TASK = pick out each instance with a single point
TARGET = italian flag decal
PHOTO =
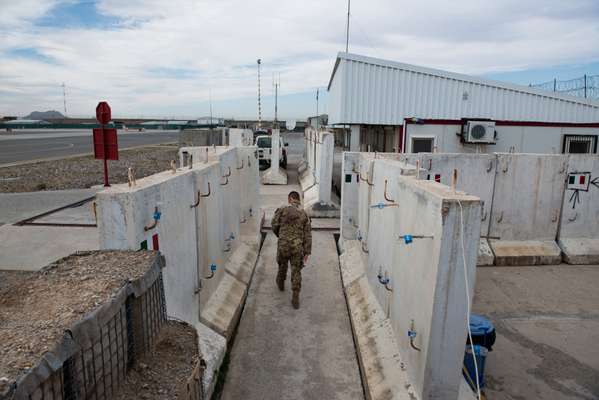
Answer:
(151, 243)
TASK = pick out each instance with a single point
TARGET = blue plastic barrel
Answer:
(483, 331)
(469, 370)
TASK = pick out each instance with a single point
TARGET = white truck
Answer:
(264, 144)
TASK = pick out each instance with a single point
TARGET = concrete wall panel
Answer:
(579, 225)
(426, 291)
(475, 172)
(350, 186)
(528, 196)
(580, 217)
(209, 215)
(123, 213)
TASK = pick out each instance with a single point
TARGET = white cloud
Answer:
(168, 55)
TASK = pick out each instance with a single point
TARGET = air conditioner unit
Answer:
(480, 132)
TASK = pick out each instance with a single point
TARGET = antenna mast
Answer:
(277, 84)
(210, 101)
(347, 33)
(64, 98)
(259, 99)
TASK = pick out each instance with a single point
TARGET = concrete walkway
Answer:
(282, 353)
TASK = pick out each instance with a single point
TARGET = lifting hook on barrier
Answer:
(366, 179)
(212, 271)
(572, 219)
(384, 280)
(200, 195)
(156, 217)
(412, 335)
(131, 176)
(430, 164)
(242, 161)
(505, 167)
(390, 200)
(249, 162)
(555, 216)
(228, 173)
(364, 248)
(454, 180)
(500, 218)
(226, 180)
(490, 166)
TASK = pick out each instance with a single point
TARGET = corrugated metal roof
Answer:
(365, 90)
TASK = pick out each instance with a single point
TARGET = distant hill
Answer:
(45, 115)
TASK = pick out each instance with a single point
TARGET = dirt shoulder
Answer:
(85, 171)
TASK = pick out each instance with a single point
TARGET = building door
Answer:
(422, 144)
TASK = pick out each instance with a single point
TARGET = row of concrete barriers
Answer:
(536, 208)
(204, 218)
(409, 280)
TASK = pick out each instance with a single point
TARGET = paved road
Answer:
(33, 145)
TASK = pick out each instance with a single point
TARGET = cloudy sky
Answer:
(166, 58)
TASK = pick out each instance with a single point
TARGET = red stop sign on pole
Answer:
(105, 139)
(103, 113)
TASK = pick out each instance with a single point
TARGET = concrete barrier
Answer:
(350, 185)
(275, 175)
(476, 175)
(418, 287)
(526, 209)
(240, 137)
(155, 214)
(202, 219)
(316, 179)
(579, 225)
(355, 195)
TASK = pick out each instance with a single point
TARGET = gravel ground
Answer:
(160, 374)
(85, 171)
(36, 308)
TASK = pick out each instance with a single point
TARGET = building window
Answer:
(580, 144)
(422, 144)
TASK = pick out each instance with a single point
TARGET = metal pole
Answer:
(347, 33)
(555, 84)
(317, 118)
(276, 102)
(585, 86)
(259, 100)
(316, 136)
(64, 98)
(106, 184)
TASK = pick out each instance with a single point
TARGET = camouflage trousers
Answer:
(296, 261)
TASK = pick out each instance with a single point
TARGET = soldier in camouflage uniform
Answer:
(292, 226)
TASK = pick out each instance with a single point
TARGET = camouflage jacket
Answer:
(292, 226)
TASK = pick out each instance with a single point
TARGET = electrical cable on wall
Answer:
(468, 300)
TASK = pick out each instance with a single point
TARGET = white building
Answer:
(391, 106)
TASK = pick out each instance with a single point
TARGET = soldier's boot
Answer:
(295, 302)
(281, 283)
